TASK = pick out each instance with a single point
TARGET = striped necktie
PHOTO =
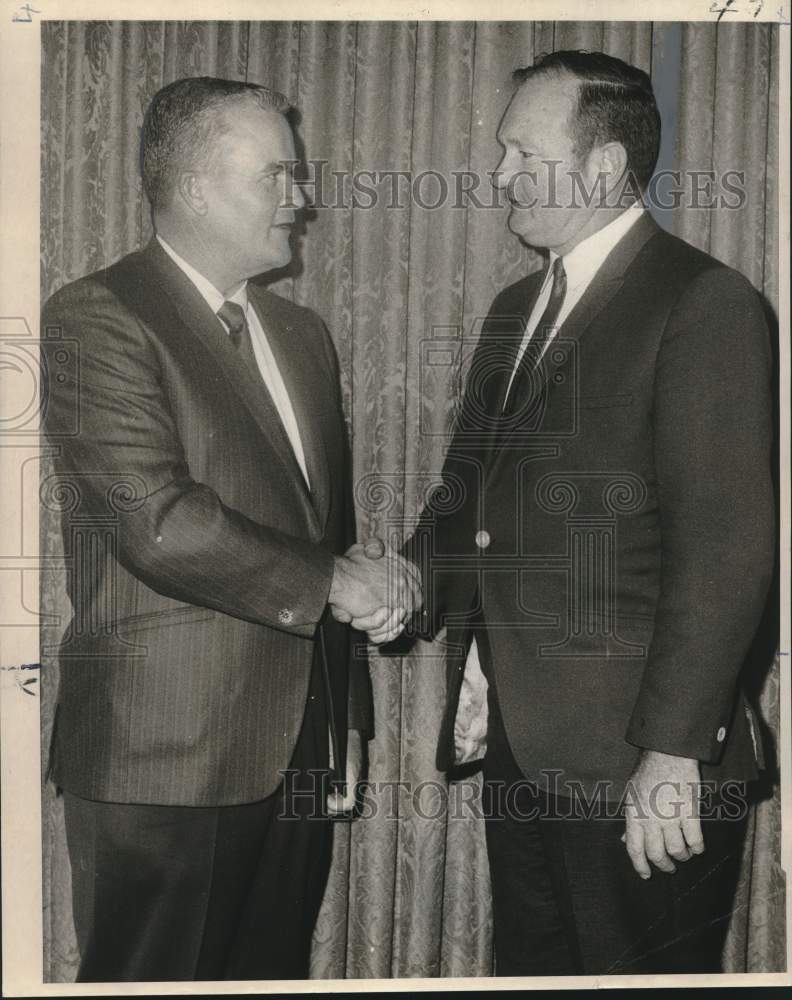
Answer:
(233, 315)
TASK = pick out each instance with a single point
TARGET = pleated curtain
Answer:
(402, 279)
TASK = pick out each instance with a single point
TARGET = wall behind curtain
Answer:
(409, 891)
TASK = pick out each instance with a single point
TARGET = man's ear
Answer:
(191, 190)
(613, 164)
(606, 169)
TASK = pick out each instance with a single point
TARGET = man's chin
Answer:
(276, 261)
(521, 227)
(280, 251)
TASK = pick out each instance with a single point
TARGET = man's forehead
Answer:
(259, 128)
(542, 99)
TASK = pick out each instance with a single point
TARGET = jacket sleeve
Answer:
(174, 533)
(712, 443)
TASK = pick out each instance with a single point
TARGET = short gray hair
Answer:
(183, 124)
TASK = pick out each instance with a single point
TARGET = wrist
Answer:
(653, 765)
(339, 582)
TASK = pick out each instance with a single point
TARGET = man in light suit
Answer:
(206, 693)
(608, 562)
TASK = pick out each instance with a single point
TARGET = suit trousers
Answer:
(566, 899)
(185, 893)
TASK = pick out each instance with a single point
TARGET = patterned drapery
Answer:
(402, 278)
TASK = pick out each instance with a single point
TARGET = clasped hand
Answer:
(375, 590)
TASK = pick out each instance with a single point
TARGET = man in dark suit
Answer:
(608, 560)
(206, 693)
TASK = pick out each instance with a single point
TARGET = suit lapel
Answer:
(199, 320)
(607, 282)
(501, 336)
(306, 384)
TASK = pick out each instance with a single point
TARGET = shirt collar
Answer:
(213, 298)
(584, 260)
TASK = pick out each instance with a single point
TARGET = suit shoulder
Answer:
(72, 295)
(87, 292)
(677, 265)
(711, 308)
(90, 312)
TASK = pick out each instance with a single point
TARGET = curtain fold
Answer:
(403, 272)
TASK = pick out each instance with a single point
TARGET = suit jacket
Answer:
(615, 537)
(200, 562)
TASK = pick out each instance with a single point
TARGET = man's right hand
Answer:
(374, 591)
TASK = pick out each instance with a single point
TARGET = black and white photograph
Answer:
(396, 499)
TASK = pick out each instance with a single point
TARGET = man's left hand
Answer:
(337, 804)
(663, 824)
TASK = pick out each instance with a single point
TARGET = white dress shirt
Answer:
(268, 367)
(581, 265)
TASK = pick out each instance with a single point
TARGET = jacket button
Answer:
(483, 539)
(721, 735)
(285, 616)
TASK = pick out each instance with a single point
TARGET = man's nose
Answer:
(502, 174)
(293, 196)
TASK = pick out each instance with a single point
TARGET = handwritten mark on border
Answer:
(27, 685)
(24, 14)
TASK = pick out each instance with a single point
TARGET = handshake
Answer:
(375, 591)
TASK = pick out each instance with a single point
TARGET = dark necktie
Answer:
(233, 316)
(521, 385)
